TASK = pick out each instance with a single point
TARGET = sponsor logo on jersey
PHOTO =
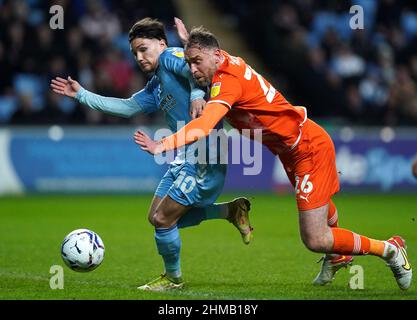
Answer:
(215, 89)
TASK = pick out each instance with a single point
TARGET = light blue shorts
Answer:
(196, 185)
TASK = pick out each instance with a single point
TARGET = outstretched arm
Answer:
(65, 87)
(115, 106)
(191, 132)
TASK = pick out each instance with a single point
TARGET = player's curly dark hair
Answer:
(200, 36)
(148, 28)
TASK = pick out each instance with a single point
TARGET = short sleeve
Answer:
(172, 60)
(226, 89)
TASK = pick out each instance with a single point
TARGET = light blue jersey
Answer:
(170, 90)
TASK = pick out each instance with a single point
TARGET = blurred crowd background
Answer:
(349, 76)
(366, 76)
(92, 48)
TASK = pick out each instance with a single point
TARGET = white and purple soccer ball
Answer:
(82, 250)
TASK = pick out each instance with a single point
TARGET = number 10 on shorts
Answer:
(185, 183)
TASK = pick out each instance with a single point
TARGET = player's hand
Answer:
(65, 87)
(181, 30)
(146, 143)
(197, 107)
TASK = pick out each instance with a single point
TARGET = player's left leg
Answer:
(205, 183)
(196, 215)
(319, 237)
(235, 211)
(331, 263)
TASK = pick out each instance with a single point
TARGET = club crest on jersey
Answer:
(179, 54)
(215, 89)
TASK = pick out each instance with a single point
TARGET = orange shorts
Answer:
(311, 167)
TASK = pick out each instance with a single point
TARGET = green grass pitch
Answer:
(215, 262)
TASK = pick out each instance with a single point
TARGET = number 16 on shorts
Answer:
(305, 187)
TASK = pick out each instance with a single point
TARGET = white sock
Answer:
(390, 251)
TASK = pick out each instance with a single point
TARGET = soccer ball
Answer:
(82, 250)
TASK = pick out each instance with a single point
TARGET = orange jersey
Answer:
(255, 104)
(248, 101)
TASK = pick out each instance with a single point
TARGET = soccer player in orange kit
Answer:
(248, 101)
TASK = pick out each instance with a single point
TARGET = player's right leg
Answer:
(318, 237)
(152, 209)
(164, 217)
(315, 169)
(393, 251)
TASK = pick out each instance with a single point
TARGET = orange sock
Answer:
(376, 247)
(346, 242)
(332, 217)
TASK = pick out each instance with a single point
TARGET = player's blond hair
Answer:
(202, 37)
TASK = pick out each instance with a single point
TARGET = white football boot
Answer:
(399, 264)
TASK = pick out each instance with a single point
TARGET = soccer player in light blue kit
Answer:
(187, 191)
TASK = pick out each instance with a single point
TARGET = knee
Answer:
(151, 214)
(315, 243)
(157, 218)
(160, 220)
